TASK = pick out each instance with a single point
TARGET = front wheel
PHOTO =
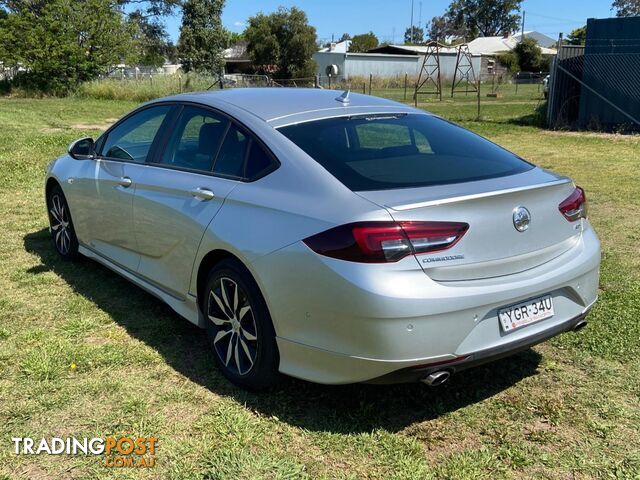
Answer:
(239, 327)
(61, 226)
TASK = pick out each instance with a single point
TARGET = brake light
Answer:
(574, 207)
(379, 242)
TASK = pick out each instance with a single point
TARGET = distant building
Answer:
(491, 46)
(337, 47)
(236, 59)
(386, 61)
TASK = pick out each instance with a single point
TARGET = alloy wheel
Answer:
(60, 224)
(235, 341)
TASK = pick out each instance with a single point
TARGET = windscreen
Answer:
(383, 152)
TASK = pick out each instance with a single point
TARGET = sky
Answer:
(388, 19)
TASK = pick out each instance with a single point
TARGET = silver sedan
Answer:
(332, 237)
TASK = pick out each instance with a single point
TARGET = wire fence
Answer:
(498, 97)
(596, 91)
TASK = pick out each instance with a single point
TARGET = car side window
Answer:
(257, 161)
(131, 140)
(230, 160)
(195, 139)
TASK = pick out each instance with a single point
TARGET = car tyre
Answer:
(61, 227)
(239, 327)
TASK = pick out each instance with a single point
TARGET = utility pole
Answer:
(411, 39)
(523, 14)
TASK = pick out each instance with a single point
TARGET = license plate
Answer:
(526, 313)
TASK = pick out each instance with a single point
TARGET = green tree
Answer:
(437, 29)
(529, 56)
(202, 37)
(484, 18)
(151, 40)
(413, 36)
(282, 43)
(363, 42)
(234, 37)
(626, 8)
(61, 43)
(578, 36)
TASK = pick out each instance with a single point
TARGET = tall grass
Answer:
(144, 89)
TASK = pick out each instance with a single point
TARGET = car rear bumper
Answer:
(339, 322)
(487, 355)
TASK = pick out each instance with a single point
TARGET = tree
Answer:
(344, 37)
(150, 39)
(485, 18)
(61, 43)
(150, 8)
(437, 29)
(282, 43)
(202, 37)
(363, 42)
(416, 39)
(529, 56)
(578, 36)
(626, 8)
(234, 37)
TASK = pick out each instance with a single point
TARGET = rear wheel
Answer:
(62, 232)
(239, 327)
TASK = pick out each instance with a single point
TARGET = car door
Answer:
(180, 191)
(120, 151)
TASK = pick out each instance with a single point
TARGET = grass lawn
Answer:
(569, 408)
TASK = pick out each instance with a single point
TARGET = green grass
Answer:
(569, 408)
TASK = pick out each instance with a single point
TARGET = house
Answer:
(236, 59)
(337, 47)
(492, 46)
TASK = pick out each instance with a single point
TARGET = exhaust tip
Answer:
(580, 325)
(436, 378)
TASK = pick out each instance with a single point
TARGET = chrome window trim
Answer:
(175, 103)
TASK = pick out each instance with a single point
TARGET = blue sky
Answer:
(389, 18)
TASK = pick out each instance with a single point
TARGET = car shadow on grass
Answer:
(337, 409)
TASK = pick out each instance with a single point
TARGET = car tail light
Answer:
(378, 242)
(574, 207)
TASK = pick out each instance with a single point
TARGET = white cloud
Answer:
(239, 24)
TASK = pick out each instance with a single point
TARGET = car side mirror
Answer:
(82, 149)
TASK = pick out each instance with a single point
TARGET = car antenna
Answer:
(344, 98)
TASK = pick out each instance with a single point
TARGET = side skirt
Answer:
(186, 307)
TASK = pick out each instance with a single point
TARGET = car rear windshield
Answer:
(383, 152)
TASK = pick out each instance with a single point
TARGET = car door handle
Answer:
(125, 182)
(202, 193)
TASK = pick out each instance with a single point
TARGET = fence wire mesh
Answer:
(598, 91)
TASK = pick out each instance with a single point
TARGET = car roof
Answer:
(280, 106)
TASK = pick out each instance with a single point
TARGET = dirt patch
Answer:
(91, 126)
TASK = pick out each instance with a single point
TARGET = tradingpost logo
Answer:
(119, 452)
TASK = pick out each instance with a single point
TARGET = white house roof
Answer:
(492, 45)
(496, 45)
